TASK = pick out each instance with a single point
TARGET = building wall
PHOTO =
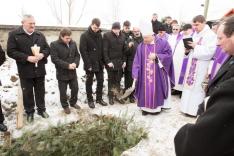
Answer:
(51, 33)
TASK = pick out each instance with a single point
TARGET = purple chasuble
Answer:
(152, 81)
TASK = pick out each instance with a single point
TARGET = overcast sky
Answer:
(110, 10)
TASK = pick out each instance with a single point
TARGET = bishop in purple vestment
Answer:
(154, 74)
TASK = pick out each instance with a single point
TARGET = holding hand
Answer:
(130, 44)
(186, 51)
(134, 84)
(111, 65)
(192, 44)
(72, 66)
(32, 59)
(39, 56)
(124, 65)
(152, 56)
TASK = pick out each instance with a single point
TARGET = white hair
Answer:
(27, 16)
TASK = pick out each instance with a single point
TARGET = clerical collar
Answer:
(152, 42)
(28, 32)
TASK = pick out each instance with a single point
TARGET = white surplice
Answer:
(193, 95)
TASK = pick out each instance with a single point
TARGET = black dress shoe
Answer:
(3, 128)
(101, 102)
(30, 118)
(67, 110)
(132, 100)
(91, 104)
(120, 101)
(76, 106)
(144, 113)
(111, 101)
(175, 92)
(44, 114)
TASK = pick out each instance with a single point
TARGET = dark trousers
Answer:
(89, 84)
(114, 78)
(73, 85)
(128, 80)
(1, 114)
(33, 88)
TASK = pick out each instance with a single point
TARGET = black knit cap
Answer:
(162, 28)
(116, 25)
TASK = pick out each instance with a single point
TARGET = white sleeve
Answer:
(210, 67)
(206, 50)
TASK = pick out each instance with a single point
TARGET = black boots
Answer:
(111, 101)
(101, 102)
(3, 128)
(91, 104)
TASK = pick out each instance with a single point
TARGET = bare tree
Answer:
(82, 12)
(67, 12)
(69, 4)
(22, 12)
(56, 11)
(116, 7)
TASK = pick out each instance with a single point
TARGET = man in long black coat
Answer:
(65, 56)
(212, 134)
(115, 59)
(130, 51)
(91, 49)
(31, 68)
(155, 23)
(3, 127)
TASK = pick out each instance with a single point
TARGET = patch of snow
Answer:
(162, 127)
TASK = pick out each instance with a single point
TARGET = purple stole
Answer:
(184, 67)
(219, 58)
(183, 70)
(148, 77)
(192, 70)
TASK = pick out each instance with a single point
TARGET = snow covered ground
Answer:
(162, 127)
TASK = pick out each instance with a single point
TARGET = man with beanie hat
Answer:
(116, 25)
(115, 59)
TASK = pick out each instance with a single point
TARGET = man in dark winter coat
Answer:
(167, 24)
(155, 23)
(3, 128)
(31, 67)
(212, 134)
(130, 50)
(127, 30)
(65, 56)
(115, 59)
(91, 49)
